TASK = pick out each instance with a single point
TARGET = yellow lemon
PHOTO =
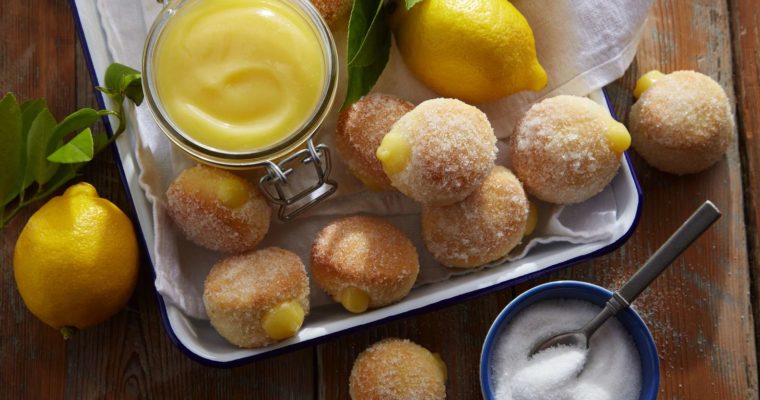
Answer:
(76, 260)
(474, 50)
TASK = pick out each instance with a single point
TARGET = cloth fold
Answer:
(582, 44)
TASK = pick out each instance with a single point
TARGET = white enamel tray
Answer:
(199, 341)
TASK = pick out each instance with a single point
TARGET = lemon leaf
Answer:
(74, 122)
(367, 34)
(123, 81)
(29, 112)
(33, 146)
(38, 168)
(79, 149)
(12, 150)
(410, 3)
(369, 44)
(100, 141)
(65, 173)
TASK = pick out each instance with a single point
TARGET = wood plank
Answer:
(699, 310)
(745, 24)
(131, 355)
(36, 60)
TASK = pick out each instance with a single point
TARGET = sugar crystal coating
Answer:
(395, 369)
(683, 123)
(453, 149)
(240, 290)
(360, 129)
(218, 221)
(332, 10)
(483, 227)
(560, 150)
(364, 253)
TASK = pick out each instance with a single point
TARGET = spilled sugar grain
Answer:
(609, 370)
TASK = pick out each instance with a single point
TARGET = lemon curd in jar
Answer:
(239, 75)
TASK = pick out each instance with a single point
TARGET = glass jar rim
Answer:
(255, 158)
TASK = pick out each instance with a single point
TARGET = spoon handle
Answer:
(705, 216)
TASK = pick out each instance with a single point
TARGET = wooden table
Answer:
(702, 311)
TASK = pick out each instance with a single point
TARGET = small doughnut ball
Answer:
(566, 149)
(482, 228)
(364, 262)
(440, 152)
(257, 298)
(218, 210)
(395, 369)
(332, 10)
(682, 123)
(361, 127)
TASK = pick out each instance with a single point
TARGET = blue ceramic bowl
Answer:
(650, 364)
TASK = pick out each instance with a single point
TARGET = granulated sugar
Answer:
(609, 370)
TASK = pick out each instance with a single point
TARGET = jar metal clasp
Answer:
(275, 185)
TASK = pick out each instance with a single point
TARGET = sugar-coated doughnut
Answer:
(682, 123)
(218, 210)
(439, 152)
(364, 262)
(257, 298)
(395, 369)
(566, 149)
(332, 10)
(360, 129)
(482, 228)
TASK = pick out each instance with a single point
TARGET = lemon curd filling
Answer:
(394, 152)
(354, 299)
(618, 137)
(283, 321)
(646, 81)
(239, 75)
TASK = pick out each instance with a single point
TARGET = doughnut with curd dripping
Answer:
(682, 122)
(364, 262)
(396, 369)
(360, 129)
(257, 298)
(566, 149)
(439, 152)
(218, 210)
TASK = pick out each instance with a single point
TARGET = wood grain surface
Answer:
(702, 311)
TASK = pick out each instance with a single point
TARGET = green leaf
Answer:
(77, 150)
(115, 74)
(100, 141)
(11, 149)
(124, 80)
(411, 3)
(29, 111)
(105, 90)
(364, 33)
(65, 173)
(38, 168)
(74, 122)
(369, 43)
(133, 88)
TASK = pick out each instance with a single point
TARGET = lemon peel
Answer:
(474, 51)
(76, 261)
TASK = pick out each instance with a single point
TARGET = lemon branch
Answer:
(41, 155)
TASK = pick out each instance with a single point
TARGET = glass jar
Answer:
(294, 149)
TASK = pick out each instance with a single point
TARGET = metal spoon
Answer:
(683, 238)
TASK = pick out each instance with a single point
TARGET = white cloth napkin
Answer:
(582, 44)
